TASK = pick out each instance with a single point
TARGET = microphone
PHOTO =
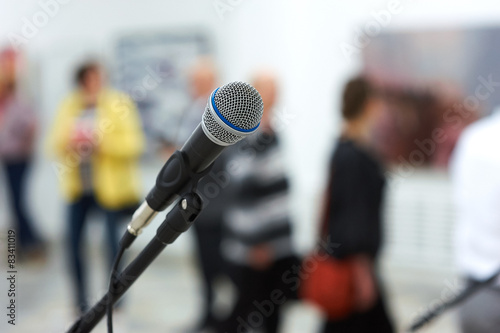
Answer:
(233, 112)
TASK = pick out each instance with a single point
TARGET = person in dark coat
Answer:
(355, 202)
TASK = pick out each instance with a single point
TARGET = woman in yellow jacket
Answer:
(97, 139)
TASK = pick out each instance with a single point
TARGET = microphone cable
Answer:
(125, 242)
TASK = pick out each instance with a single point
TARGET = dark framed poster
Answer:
(153, 69)
(436, 82)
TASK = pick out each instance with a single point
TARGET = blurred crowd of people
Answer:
(245, 232)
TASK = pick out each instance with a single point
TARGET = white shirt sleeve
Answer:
(475, 171)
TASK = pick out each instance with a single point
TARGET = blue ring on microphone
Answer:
(227, 121)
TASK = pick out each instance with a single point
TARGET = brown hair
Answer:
(356, 92)
(83, 69)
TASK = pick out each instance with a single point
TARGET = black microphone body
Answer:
(197, 154)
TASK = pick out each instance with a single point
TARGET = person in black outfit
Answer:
(355, 201)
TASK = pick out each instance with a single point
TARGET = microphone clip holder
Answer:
(175, 178)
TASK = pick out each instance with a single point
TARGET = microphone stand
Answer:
(177, 221)
(175, 179)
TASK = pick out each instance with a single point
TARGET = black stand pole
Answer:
(465, 294)
(177, 221)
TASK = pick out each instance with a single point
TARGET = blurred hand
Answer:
(261, 257)
(2, 117)
(166, 151)
(3, 111)
(82, 143)
(366, 293)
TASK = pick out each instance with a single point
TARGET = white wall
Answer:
(300, 39)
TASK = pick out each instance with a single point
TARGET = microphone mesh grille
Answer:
(217, 130)
(241, 105)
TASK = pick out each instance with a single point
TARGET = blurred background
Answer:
(427, 57)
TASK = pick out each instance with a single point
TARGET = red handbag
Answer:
(326, 282)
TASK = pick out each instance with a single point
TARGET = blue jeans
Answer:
(77, 218)
(16, 175)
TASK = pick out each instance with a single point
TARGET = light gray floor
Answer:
(166, 298)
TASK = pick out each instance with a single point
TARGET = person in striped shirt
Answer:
(257, 241)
